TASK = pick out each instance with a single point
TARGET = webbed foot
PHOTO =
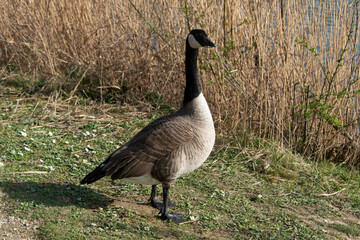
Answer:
(159, 204)
(175, 217)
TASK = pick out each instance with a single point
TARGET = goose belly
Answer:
(146, 179)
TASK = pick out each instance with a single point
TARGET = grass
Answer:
(261, 191)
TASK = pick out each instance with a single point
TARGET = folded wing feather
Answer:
(155, 150)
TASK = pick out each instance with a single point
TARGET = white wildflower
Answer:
(259, 196)
(87, 133)
(21, 154)
(51, 168)
(24, 134)
(32, 139)
(27, 149)
(1, 164)
(93, 224)
(86, 162)
(146, 228)
(66, 142)
(50, 134)
(76, 155)
(91, 117)
(53, 141)
(192, 218)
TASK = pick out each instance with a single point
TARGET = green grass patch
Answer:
(261, 192)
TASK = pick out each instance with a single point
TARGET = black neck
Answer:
(192, 89)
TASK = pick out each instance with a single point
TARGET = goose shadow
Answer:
(54, 194)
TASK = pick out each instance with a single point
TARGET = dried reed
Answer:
(285, 70)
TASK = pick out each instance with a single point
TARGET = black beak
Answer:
(209, 43)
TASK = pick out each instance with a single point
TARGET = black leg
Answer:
(153, 195)
(153, 198)
(175, 217)
(156, 203)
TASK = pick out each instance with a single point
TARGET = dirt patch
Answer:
(140, 208)
(12, 228)
(307, 215)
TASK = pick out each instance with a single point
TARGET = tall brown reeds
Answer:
(285, 70)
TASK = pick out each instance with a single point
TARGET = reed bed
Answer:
(284, 70)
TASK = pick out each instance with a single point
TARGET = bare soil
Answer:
(12, 228)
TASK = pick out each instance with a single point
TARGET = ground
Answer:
(13, 228)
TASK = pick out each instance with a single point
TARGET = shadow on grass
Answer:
(53, 194)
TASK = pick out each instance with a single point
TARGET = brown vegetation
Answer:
(287, 70)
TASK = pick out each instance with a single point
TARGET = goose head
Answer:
(198, 38)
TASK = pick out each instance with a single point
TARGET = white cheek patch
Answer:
(192, 42)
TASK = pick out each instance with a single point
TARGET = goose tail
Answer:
(94, 175)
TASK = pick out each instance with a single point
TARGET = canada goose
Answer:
(172, 145)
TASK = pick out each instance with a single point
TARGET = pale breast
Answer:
(198, 150)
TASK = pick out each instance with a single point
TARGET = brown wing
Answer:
(156, 145)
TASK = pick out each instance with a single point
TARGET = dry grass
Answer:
(287, 70)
